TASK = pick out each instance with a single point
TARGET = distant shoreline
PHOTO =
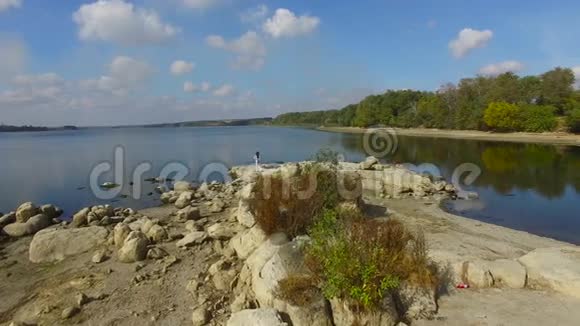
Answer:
(518, 137)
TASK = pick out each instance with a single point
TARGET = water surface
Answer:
(530, 187)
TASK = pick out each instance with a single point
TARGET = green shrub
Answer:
(503, 116)
(538, 118)
(326, 155)
(291, 205)
(573, 120)
(361, 260)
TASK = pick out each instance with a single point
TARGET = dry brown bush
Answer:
(298, 289)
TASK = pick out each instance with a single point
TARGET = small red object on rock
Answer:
(462, 286)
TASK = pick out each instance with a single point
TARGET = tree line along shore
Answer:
(503, 103)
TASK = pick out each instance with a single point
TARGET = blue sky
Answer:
(104, 62)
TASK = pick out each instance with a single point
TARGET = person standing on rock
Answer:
(257, 161)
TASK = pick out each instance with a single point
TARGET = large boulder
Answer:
(416, 302)
(554, 268)
(81, 217)
(181, 186)
(135, 248)
(244, 216)
(31, 226)
(184, 199)
(51, 211)
(286, 259)
(103, 211)
(256, 317)
(508, 273)
(26, 211)
(344, 314)
(476, 274)
(369, 162)
(188, 213)
(222, 231)
(120, 233)
(217, 205)
(53, 245)
(246, 242)
(157, 233)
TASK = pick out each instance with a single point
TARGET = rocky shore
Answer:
(201, 259)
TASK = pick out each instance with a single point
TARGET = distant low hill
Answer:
(8, 128)
(203, 123)
(213, 123)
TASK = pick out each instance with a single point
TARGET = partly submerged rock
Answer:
(181, 186)
(7, 219)
(53, 245)
(31, 226)
(26, 211)
(51, 211)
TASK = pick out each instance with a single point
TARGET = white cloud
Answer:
(224, 90)
(8, 4)
(249, 49)
(13, 55)
(50, 78)
(120, 22)
(285, 23)
(254, 15)
(189, 87)
(200, 4)
(499, 68)
(125, 74)
(180, 67)
(469, 39)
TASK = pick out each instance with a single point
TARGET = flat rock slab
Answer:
(554, 268)
(54, 245)
(256, 317)
(495, 307)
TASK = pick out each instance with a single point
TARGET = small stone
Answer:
(156, 253)
(69, 312)
(200, 316)
(82, 299)
(99, 257)
(192, 239)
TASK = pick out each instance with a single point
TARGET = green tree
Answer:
(503, 116)
(538, 118)
(505, 88)
(530, 89)
(573, 120)
(557, 86)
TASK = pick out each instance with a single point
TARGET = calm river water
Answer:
(535, 188)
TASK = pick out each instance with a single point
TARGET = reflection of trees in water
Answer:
(505, 167)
